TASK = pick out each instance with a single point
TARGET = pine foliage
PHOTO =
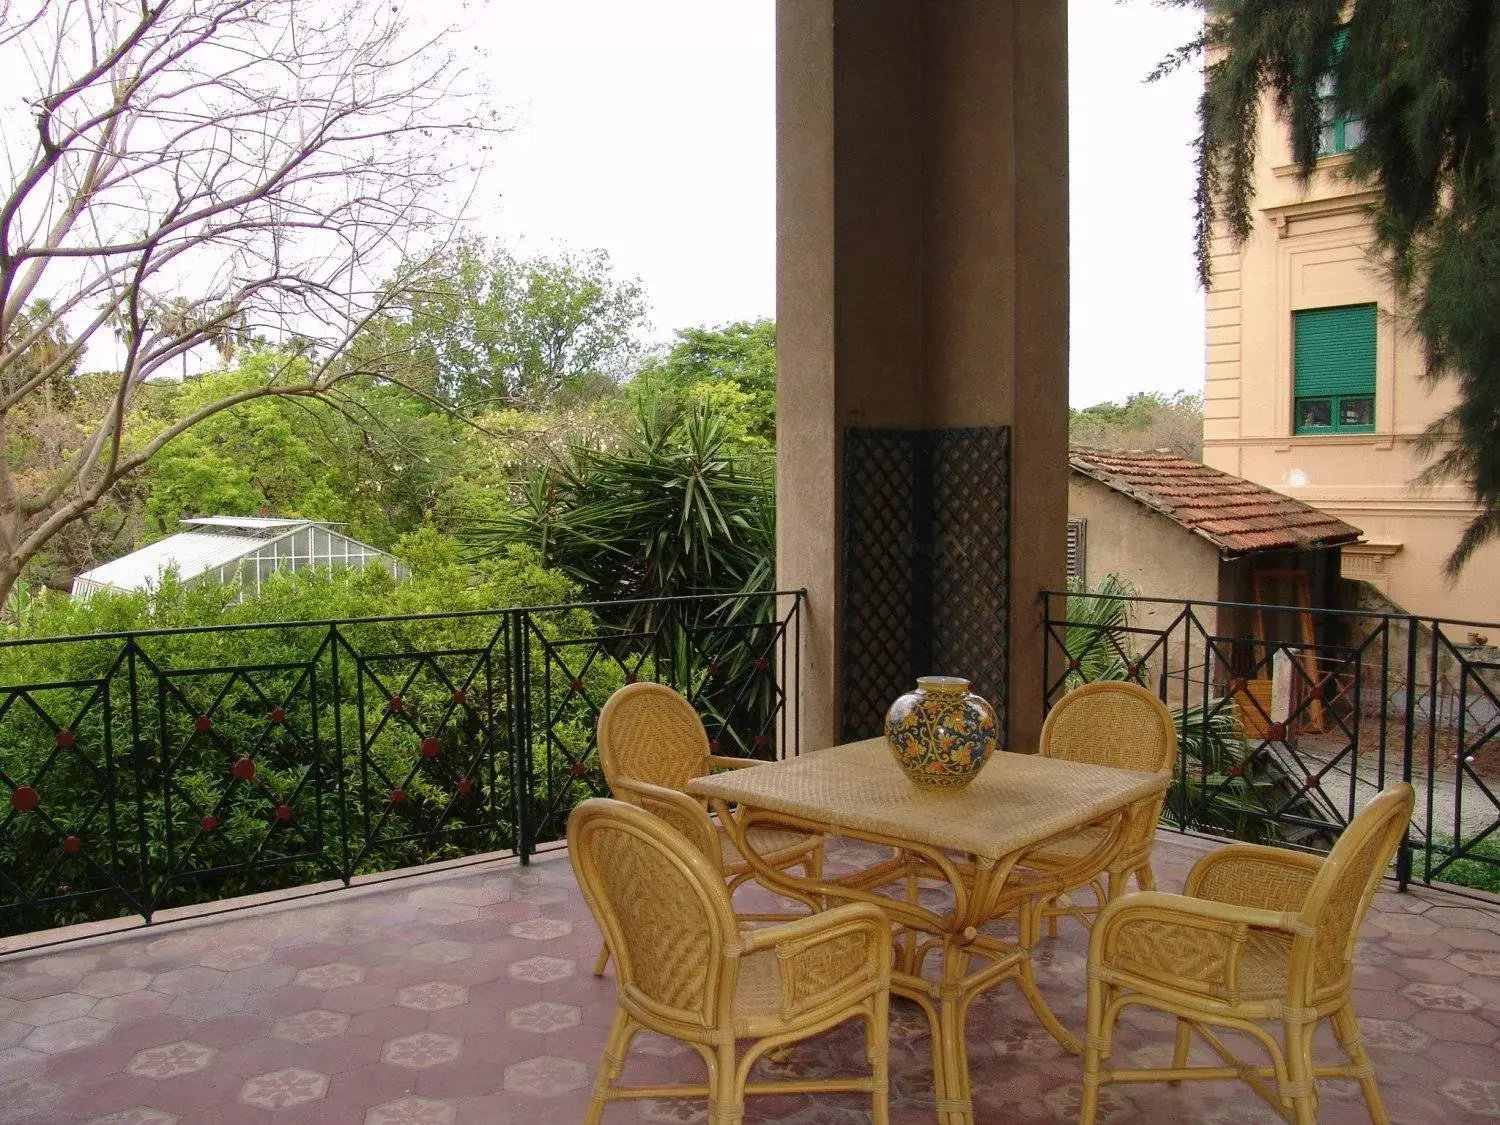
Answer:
(1424, 78)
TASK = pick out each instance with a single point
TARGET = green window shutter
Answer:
(1335, 351)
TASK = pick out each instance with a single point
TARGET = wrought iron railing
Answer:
(146, 770)
(1291, 719)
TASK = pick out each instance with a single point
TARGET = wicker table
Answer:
(974, 841)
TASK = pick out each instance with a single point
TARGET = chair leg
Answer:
(878, 1048)
(726, 1101)
(1346, 1027)
(602, 961)
(1145, 877)
(610, 1066)
(1095, 1041)
(814, 864)
(1180, 1048)
(1300, 1091)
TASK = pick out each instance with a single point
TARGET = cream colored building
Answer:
(1314, 390)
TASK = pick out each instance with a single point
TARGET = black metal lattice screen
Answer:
(926, 566)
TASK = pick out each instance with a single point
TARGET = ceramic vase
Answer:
(941, 734)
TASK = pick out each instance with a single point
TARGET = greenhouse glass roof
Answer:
(226, 548)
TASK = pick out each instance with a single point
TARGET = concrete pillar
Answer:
(922, 238)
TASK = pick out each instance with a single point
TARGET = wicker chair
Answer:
(1108, 724)
(686, 970)
(651, 744)
(1260, 935)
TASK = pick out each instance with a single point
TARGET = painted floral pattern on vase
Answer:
(941, 734)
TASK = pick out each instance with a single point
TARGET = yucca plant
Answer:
(674, 509)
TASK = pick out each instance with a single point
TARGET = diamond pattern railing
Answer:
(1283, 741)
(181, 769)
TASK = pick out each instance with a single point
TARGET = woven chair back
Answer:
(650, 733)
(1112, 724)
(1341, 893)
(662, 907)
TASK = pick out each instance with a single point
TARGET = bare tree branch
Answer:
(194, 170)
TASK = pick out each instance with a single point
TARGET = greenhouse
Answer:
(228, 549)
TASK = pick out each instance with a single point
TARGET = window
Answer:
(1340, 133)
(1076, 527)
(1334, 354)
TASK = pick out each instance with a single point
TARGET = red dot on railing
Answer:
(72, 845)
(630, 677)
(203, 724)
(24, 798)
(278, 716)
(714, 747)
(284, 813)
(396, 704)
(1276, 732)
(431, 747)
(1237, 685)
(398, 796)
(460, 697)
(208, 823)
(575, 685)
(579, 769)
(1310, 783)
(760, 664)
(762, 741)
(1236, 771)
(65, 738)
(713, 669)
(1074, 666)
(243, 769)
(465, 787)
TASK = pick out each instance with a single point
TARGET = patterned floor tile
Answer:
(546, 1076)
(541, 929)
(310, 1026)
(542, 970)
(543, 1017)
(282, 1089)
(461, 1000)
(141, 1115)
(432, 996)
(426, 1048)
(334, 974)
(171, 1060)
(412, 1111)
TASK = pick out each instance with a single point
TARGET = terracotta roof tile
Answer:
(1235, 514)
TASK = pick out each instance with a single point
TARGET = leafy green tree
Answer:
(1147, 420)
(485, 329)
(742, 354)
(1420, 76)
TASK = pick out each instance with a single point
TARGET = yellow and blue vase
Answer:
(941, 734)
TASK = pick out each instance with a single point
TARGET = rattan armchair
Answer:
(651, 744)
(1259, 936)
(1110, 723)
(686, 970)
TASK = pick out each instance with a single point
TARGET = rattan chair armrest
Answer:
(1254, 875)
(682, 812)
(1187, 944)
(1198, 912)
(841, 954)
(720, 762)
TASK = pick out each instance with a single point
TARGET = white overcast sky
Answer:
(647, 128)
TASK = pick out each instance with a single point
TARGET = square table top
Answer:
(1017, 800)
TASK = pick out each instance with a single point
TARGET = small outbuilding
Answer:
(229, 549)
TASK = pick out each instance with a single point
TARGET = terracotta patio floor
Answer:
(467, 997)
